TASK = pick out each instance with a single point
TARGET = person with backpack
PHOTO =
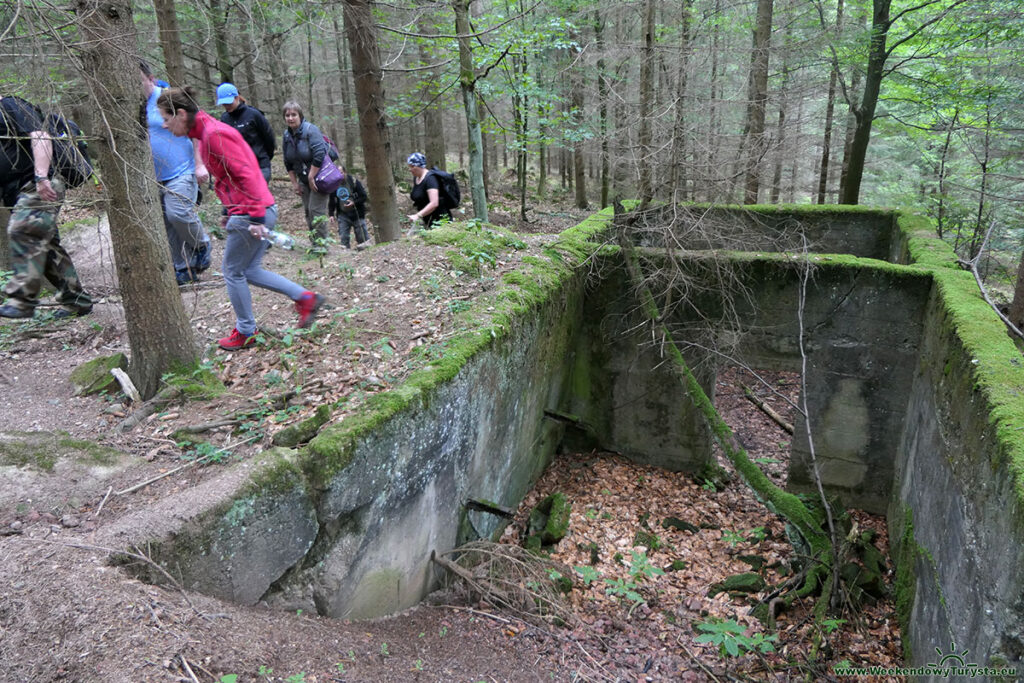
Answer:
(347, 206)
(179, 172)
(426, 194)
(29, 183)
(249, 213)
(304, 149)
(250, 122)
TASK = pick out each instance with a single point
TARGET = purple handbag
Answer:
(329, 177)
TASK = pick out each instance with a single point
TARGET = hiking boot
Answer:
(12, 311)
(72, 312)
(361, 246)
(185, 276)
(201, 258)
(307, 306)
(236, 340)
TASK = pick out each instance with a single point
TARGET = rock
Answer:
(69, 521)
(676, 523)
(550, 519)
(94, 376)
(739, 583)
(302, 432)
(16, 525)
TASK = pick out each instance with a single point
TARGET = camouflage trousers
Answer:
(36, 253)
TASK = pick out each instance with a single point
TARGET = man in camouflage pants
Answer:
(26, 151)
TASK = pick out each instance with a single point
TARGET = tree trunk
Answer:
(373, 125)
(677, 173)
(1016, 312)
(275, 46)
(345, 105)
(864, 114)
(159, 332)
(433, 122)
(219, 19)
(602, 96)
(757, 97)
(170, 41)
(646, 187)
(576, 94)
(830, 106)
(467, 79)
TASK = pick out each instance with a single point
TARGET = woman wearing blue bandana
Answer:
(426, 193)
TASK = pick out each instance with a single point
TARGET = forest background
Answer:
(897, 103)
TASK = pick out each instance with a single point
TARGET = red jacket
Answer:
(231, 162)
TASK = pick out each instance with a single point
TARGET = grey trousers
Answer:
(243, 255)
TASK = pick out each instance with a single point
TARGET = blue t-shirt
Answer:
(172, 156)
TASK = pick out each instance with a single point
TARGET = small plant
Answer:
(591, 513)
(418, 665)
(833, 625)
(709, 485)
(443, 632)
(458, 306)
(384, 651)
(265, 670)
(625, 589)
(297, 678)
(733, 538)
(641, 567)
(229, 678)
(731, 638)
(588, 574)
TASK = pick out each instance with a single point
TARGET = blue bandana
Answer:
(417, 159)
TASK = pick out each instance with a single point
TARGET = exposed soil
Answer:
(66, 614)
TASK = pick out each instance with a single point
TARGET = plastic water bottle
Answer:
(280, 239)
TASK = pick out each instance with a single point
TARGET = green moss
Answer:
(305, 430)
(93, 377)
(91, 452)
(906, 579)
(197, 381)
(549, 520)
(42, 450)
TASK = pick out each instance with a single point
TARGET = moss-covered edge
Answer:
(332, 450)
(997, 369)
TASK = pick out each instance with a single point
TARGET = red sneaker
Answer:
(307, 306)
(236, 340)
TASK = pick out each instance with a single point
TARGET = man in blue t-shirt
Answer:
(179, 170)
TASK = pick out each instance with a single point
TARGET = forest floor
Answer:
(66, 614)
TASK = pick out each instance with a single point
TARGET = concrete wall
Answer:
(856, 231)
(956, 517)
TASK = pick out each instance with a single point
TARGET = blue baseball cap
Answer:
(226, 93)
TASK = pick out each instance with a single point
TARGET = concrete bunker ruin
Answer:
(915, 401)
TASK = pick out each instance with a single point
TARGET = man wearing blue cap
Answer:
(250, 122)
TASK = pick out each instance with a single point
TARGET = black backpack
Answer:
(449, 187)
(70, 151)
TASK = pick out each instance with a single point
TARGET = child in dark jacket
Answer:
(348, 206)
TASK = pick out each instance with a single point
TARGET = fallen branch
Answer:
(198, 461)
(972, 265)
(165, 395)
(103, 502)
(766, 409)
(207, 426)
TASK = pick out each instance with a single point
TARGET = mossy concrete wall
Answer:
(627, 397)
(346, 525)
(956, 516)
